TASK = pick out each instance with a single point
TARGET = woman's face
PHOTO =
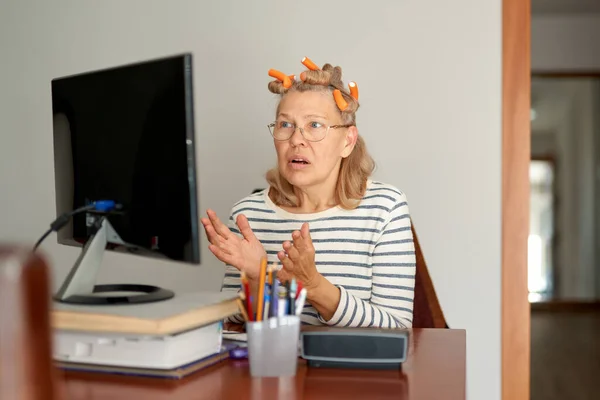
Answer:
(307, 163)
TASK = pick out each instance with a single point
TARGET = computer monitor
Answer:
(126, 134)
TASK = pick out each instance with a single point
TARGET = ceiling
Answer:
(565, 6)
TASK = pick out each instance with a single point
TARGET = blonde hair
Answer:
(355, 169)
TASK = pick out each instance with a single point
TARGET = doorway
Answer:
(541, 240)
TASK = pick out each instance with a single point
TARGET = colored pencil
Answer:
(246, 289)
(261, 289)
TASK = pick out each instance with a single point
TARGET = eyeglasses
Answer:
(312, 131)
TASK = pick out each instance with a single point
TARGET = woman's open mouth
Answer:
(298, 162)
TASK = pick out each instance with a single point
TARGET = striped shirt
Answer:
(368, 253)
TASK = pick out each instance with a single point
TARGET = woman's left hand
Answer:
(298, 259)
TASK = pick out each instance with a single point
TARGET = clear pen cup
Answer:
(273, 346)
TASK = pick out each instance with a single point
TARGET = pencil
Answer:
(248, 298)
(261, 289)
(271, 275)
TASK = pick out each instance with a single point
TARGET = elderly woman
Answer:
(346, 237)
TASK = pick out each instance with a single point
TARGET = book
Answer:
(181, 313)
(175, 373)
(235, 336)
(138, 351)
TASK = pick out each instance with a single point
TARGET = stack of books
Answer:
(170, 338)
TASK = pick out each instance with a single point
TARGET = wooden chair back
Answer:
(26, 368)
(427, 312)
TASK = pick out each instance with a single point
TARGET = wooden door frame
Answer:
(516, 153)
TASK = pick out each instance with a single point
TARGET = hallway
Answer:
(565, 355)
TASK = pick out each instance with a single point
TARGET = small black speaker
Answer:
(354, 347)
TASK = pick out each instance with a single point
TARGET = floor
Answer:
(565, 355)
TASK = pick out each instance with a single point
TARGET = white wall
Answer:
(430, 80)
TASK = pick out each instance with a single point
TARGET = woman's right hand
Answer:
(244, 253)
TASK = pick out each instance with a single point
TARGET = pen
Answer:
(292, 295)
(267, 303)
(261, 290)
(275, 298)
(299, 289)
(282, 300)
(300, 301)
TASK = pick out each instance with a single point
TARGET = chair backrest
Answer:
(26, 368)
(427, 312)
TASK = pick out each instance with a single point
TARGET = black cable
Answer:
(61, 221)
(44, 236)
(101, 206)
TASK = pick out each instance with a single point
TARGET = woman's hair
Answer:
(355, 169)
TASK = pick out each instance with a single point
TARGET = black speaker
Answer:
(354, 347)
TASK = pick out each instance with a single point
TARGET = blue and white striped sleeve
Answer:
(233, 279)
(393, 269)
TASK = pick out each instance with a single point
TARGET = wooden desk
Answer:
(435, 369)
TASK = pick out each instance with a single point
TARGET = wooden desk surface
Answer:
(435, 369)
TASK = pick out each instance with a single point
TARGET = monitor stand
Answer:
(80, 286)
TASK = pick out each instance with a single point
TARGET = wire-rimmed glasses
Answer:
(311, 131)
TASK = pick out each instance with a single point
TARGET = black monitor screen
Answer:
(126, 134)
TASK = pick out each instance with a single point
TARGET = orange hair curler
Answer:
(303, 76)
(292, 77)
(353, 90)
(339, 100)
(281, 77)
(309, 64)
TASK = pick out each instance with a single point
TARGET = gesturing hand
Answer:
(298, 259)
(243, 253)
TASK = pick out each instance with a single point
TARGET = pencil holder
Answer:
(273, 346)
